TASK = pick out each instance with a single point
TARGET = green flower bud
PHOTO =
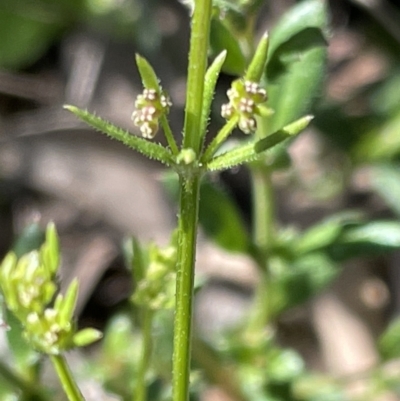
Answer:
(156, 290)
(186, 156)
(86, 337)
(28, 286)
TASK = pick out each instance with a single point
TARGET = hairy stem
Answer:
(196, 73)
(187, 223)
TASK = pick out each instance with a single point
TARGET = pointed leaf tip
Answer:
(259, 60)
(147, 73)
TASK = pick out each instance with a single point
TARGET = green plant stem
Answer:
(263, 238)
(219, 139)
(67, 380)
(169, 135)
(187, 224)
(20, 384)
(196, 72)
(141, 388)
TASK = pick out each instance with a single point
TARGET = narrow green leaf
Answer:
(251, 150)
(271, 140)
(209, 88)
(52, 247)
(372, 238)
(147, 148)
(320, 236)
(296, 62)
(380, 233)
(86, 337)
(67, 305)
(286, 132)
(139, 260)
(147, 73)
(257, 65)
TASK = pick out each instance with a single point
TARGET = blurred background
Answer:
(52, 167)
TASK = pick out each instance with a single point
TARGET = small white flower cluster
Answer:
(150, 106)
(244, 98)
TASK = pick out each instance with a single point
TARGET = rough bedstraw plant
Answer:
(277, 81)
(192, 160)
(48, 325)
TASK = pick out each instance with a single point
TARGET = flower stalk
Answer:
(67, 380)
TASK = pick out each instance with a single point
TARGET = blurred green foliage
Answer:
(302, 263)
(28, 28)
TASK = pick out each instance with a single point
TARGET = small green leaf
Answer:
(250, 151)
(257, 65)
(66, 307)
(325, 233)
(186, 157)
(211, 78)
(222, 39)
(50, 250)
(147, 148)
(288, 131)
(136, 257)
(271, 140)
(86, 337)
(371, 238)
(147, 73)
(221, 219)
(296, 62)
(381, 233)
(389, 342)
